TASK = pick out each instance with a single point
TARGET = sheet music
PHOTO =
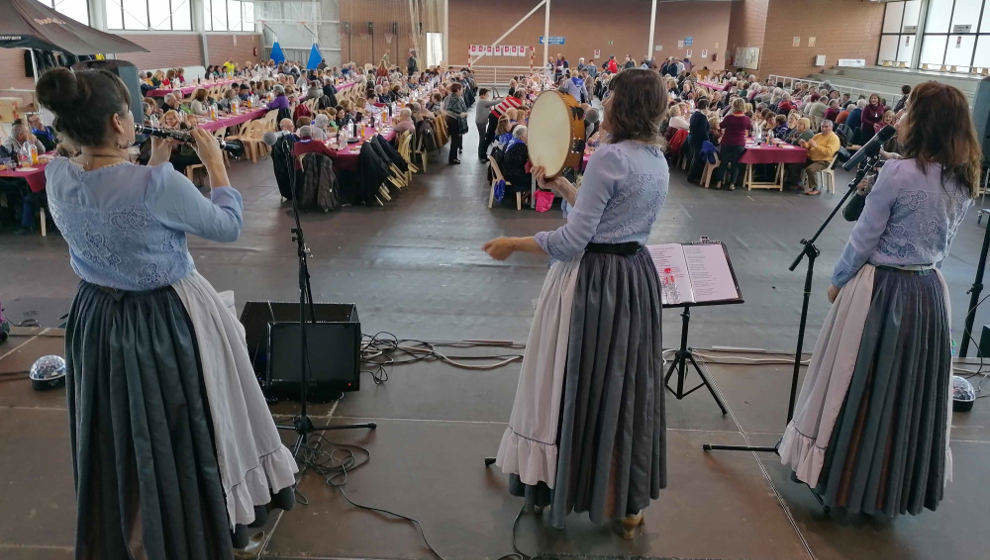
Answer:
(710, 275)
(672, 267)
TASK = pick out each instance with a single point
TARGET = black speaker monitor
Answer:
(128, 73)
(334, 344)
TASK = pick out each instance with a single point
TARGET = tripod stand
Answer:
(683, 355)
(303, 424)
(811, 251)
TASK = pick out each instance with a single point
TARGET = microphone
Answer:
(871, 148)
(235, 149)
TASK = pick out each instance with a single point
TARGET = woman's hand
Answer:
(500, 248)
(161, 150)
(559, 184)
(207, 147)
(833, 293)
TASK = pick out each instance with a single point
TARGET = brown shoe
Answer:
(629, 524)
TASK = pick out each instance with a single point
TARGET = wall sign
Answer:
(811, 41)
(598, 53)
(680, 43)
(554, 40)
(497, 50)
(796, 42)
(704, 53)
(688, 41)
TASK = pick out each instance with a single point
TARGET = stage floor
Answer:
(415, 268)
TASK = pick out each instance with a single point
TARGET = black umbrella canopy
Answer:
(32, 25)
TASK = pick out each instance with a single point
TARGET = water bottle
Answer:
(23, 156)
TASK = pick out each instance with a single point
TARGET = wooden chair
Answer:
(499, 177)
(405, 150)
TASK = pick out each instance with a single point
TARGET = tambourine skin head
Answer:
(549, 132)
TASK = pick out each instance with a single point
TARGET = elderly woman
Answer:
(734, 126)
(167, 419)
(677, 119)
(456, 112)
(514, 161)
(584, 428)
(200, 104)
(281, 101)
(403, 121)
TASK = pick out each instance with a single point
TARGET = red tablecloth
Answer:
(186, 90)
(347, 158)
(232, 120)
(711, 85)
(35, 176)
(784, 153)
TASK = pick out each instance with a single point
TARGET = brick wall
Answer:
(613, 27)
(842, 29)
(748, 26)
(361, 46)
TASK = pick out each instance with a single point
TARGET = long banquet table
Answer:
(346, 157)
(776, 154)
(188, 89)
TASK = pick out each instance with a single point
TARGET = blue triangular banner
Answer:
(315, 58)
(277, 55)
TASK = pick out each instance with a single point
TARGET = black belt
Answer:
(626, 249)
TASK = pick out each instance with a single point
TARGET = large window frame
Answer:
(211, 18)
(942, 40)
(145, 17)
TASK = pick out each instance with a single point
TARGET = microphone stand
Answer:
(810, 251)
(302, 424)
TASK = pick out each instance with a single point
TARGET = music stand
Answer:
(684, 355)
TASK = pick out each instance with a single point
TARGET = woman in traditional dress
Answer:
(871, 429)
(587, 430)
(174, 450)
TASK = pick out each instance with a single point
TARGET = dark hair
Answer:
(455, 88)
(939, 129)
(905, 89)
(703, 103)
(636, 107)
(483, 91)
(83, 102)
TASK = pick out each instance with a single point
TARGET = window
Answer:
(156, 15)
(75, 9)
(228, 15)
(955, 39)
(900, 23)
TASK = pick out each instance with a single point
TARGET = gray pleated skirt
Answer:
(612, 438)
(146, 474)
(887, 453)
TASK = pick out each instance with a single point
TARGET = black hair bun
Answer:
(59, 90)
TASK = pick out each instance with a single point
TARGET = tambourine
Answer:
(556, 132)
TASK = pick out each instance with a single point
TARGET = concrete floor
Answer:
(415, 268)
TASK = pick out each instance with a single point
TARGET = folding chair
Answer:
(497, 176)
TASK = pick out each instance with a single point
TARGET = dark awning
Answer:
(32, 25)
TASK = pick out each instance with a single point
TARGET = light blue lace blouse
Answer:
(126, 225)
(624, 187)
(910, 218)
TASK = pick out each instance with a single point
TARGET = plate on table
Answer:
(353, 140)
(26, 169)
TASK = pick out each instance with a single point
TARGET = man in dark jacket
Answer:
(697, 134)
(412, 65)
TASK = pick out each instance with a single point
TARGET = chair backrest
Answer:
(831, 164)
(496, 170)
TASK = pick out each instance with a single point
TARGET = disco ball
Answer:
(48, 372)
